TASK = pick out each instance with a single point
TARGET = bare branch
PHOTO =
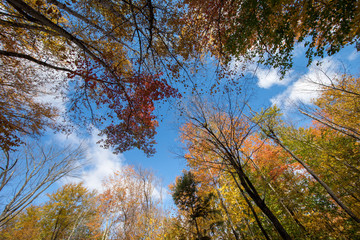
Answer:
(30, 58)
(36, 169)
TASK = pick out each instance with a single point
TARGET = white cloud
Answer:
(103, 164)
(270, 77)
(100, 163)
(266, 77)
(307, 86)
(353, 55)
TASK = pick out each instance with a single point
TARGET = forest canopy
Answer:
(104, 67)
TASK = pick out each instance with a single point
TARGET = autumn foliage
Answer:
(105, 65)
(303, 174)
(108, 76)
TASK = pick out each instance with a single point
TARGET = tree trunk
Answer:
(251, 208)
(316, 177)
(249, 188)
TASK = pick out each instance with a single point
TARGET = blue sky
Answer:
(266, 88)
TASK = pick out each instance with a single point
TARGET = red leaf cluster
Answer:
(131, 100)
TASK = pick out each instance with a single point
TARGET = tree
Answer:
(303, 175)
(293, 193)
(129, 206)
(209, 177)
(20, 113)
(114, 53)
(273, 127)
(337, 107)
(271, 29)
(69, 213)
(27, 173)
(25, 225)
(221, 131)
(187, 197)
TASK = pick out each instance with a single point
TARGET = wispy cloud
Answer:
(100, 162)
(270, 77)
(353, 55)
(307, 86)
(266, 77)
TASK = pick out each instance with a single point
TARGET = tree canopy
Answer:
(114, 54)
(251, 173)
(112, 60)
(270, 30)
